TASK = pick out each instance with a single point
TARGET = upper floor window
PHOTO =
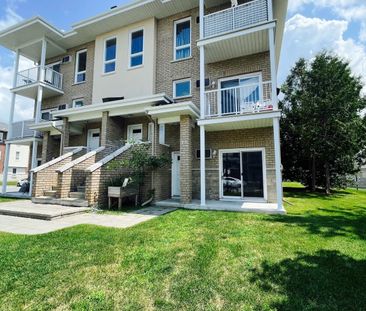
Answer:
(77, 103)
(182, 88)
(137, 48)
(110, 54)
(182, 39)
(80, 68)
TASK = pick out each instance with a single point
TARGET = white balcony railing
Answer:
(235, 18)
(32, 75)
(21, 130)
(242, 99)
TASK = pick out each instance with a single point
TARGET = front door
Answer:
(134, 132)
(242, 174)
(175, 174)
(93, 139)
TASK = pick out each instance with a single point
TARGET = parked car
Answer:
(232, 182)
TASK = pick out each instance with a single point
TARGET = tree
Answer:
(323, 133)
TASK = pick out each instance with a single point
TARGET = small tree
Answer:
(323, 132)
(139, 163)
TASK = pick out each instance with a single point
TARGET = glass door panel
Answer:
(252, 174)
(231, 179)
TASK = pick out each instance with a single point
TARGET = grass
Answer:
(312, 259)
(10, 183)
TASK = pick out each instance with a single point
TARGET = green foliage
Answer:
(323, 133)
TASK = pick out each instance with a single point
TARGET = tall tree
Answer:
(323, 133)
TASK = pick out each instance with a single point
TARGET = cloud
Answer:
(23, 107)
(304, 37)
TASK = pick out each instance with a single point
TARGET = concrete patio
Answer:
(228, 206)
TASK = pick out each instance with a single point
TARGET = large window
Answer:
(182, 88)
(110, 53)
(80, 68)
(137, 48)
(182, 39)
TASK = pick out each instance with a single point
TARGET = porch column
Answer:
(33, 164)
(104, 129)
(46, 137)
(65, 135)
(11, 119)
(185, 159)
(277, 150)
(272, 53)
(202, 128)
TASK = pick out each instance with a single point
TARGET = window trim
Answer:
(77, 66)
(130, 55)
(78, 99)
(106, 62)
(175, 82)
(177, 22)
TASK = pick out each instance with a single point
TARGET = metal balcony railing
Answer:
(235, 18)
(32, 75)
(21, 130)
(242, 99)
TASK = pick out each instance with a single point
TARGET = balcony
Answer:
(27, 82)
(237, 31)
(235, 18)
(22, 131)
(244, 99)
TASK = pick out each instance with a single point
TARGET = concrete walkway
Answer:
(31, 226)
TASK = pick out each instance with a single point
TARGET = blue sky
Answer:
(312, 26)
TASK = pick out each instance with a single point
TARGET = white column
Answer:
(202, 14)
(277, 150)
(203, 165)
(272, 53)
(11, 119)
(270, 10)
(33, 164)
(41, 77)
(39, 104)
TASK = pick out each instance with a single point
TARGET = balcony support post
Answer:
(272, 53)
(270, 10)
(202, 18)
(202, 128)
(277, 149)
(42, 63)
(33, 164)
(11, 119)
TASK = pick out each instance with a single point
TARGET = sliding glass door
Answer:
(242, 174)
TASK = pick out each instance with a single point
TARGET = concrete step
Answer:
(50, 193)
(77, 195)
(65, 202)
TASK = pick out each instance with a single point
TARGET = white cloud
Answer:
(304, 37)
(23, 107)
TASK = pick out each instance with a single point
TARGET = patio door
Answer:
(242, 174)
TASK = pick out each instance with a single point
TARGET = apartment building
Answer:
(195, 79)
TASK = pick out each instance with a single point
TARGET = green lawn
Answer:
(312, 259)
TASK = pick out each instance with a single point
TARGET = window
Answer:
(182, 88)
(14, 171)
(80, 69)
(62, 107)
(1, 136)
(110, 53)
(162, 134)
(46, 115)
(182, 39)
(17, 155)
(208, 154)
(77, 103)
(150, 132)
(137, 48)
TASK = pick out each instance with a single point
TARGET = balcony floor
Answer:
(30, 90)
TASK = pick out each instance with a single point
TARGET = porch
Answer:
(224, 205)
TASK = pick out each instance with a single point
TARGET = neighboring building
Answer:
(18, 167)
(196, 79)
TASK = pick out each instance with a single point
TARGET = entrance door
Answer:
(93, 139)
(242, 174)
(134, 132)
(175, 174)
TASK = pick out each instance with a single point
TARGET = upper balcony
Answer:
(27, 82)
(22, 133)
(231, 31)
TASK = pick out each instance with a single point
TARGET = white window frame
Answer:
(106, 62)
(77, 66)
(130, 55)
(162, 134)
(182, 81)
(78, 100)
(176, 23)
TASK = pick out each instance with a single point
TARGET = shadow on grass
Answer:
(305, 193)
(327, 280)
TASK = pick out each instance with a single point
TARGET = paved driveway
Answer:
(30, 226)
